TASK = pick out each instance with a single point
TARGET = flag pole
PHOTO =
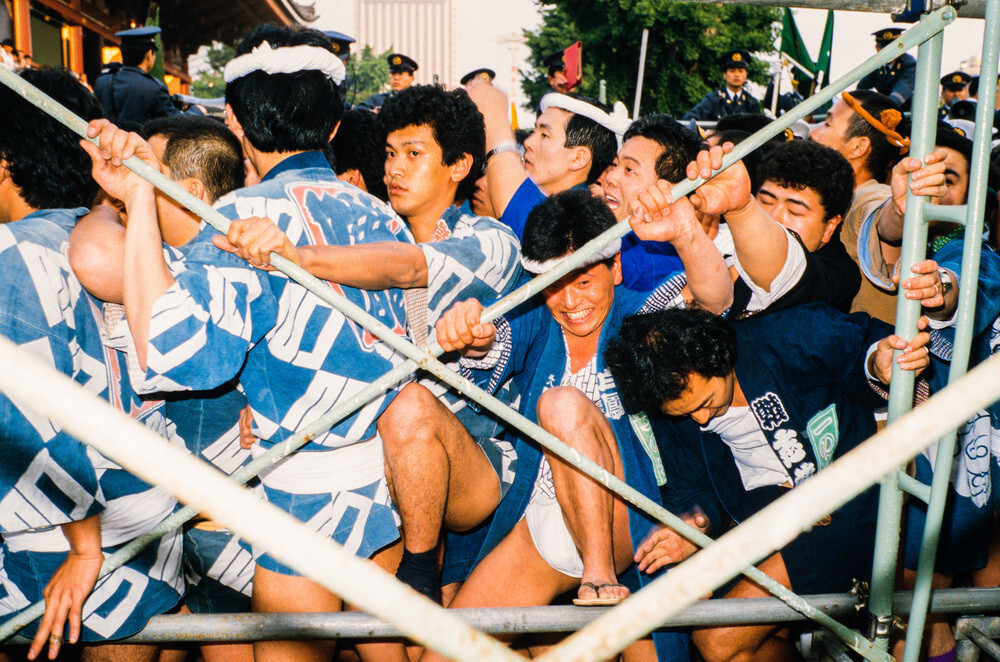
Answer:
(642, 72)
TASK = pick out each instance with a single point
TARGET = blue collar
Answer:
(297, 162)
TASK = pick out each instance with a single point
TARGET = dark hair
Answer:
(358, 145)
(653, 355)
(749, 122)
(202, 148)
(800, 164)
(285, 112)
(134, 51)
(563, 223)
(454, 119)
(584, 132)
(882, 153)
(44, 158)
(680, 144)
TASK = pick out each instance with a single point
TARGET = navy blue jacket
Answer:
(129, 93)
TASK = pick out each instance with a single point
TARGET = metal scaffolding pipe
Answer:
(526, 620)
(972, 9)
(976, 635)
(780, 522)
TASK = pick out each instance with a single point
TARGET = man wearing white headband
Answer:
(293, 354)
(574, 141)
(561, 529)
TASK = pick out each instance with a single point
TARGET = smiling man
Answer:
(560, 529)
(754, 409)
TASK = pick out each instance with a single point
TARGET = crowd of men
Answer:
(733, 344)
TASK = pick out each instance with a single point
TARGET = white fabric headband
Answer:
(617, 121)
(608, 251)
(286, 60)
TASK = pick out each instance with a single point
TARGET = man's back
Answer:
(131, 94)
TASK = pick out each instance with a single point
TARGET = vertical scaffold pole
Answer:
(924, 106)
(975, 210)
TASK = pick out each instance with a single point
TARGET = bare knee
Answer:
(411, 407)
(720, 645)
(565, 408)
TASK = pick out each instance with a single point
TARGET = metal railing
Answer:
(646, 610)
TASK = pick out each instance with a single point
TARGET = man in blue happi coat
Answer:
(62, 506)
(556, 530)
(199, 322)
(443, 469)
(753, 409)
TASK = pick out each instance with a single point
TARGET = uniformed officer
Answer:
(556, 64)
(484, 73)
(126, 90)
(731, 98)
(896, 79)
(954, 87)
(401, 70)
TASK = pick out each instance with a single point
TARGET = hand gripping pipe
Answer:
(927, 28)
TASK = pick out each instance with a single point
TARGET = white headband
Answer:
(286, 60)
(617, 121)
(608, 251)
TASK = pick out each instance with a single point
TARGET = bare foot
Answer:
(600, 593)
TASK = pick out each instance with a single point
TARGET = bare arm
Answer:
(146, 275)
(97, 253)
(70, 585)
(655, 218)
(504, 171)
(760, 242)
(376, 266)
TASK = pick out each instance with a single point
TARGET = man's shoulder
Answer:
(47, 227)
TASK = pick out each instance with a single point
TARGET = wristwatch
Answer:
(946, 281)
(509, 146)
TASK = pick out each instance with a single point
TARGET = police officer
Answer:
(896, 79)
(731, 98)
(556, 64)
(484, 73)
(401, 70)
(341, 44)
(126, 90)
(954, 88)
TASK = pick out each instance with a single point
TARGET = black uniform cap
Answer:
(737, 59)
(139, 36)
(955, 81)
(341, 43)
(554, 62)
(488, 73)
(399, 63)
(885, 35)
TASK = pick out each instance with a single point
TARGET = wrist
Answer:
(139, 195)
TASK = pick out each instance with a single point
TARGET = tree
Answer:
(209, 84)
(686, 41)
(368, 74)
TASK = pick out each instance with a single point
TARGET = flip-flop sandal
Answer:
(597, 602)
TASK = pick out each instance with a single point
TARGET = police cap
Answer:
(139, 36)
(487, 74)
(554, 62)
(341, 43)
(398, 63)
(955, 81)
(885, 35)
(737, 59)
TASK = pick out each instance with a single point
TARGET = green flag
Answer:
(793, 48)
(158, 71)
(823, 60)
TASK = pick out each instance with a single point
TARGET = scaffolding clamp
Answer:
(873, 627)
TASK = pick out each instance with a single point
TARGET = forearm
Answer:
(760, 242)
(377, 266)
(146, 275)
(84, 536)
(504, 171)
(889, 225)
(707, 275)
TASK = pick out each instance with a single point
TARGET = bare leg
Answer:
(118, 653)
(757, 643)
(376, 651)
(568, 414)
(437, 476)
(273, 592)
(938, 635)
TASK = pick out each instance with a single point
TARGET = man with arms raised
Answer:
(292, 354)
